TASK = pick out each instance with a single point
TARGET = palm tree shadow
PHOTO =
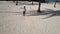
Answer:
(48, 12)
(52, 13)
(49, 16)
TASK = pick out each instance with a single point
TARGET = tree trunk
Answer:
(16, 2)
(55, 4)
(32, 2)
(39, 6)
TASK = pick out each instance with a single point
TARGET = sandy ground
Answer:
(12, 20)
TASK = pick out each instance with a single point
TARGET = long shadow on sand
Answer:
(48, 12)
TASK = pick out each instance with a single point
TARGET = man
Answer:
(24, 12)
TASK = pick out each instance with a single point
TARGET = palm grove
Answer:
(32, 4)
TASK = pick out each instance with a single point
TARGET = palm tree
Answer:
(16, 2)
(32, 2)
(39, 6)
(55, 4)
